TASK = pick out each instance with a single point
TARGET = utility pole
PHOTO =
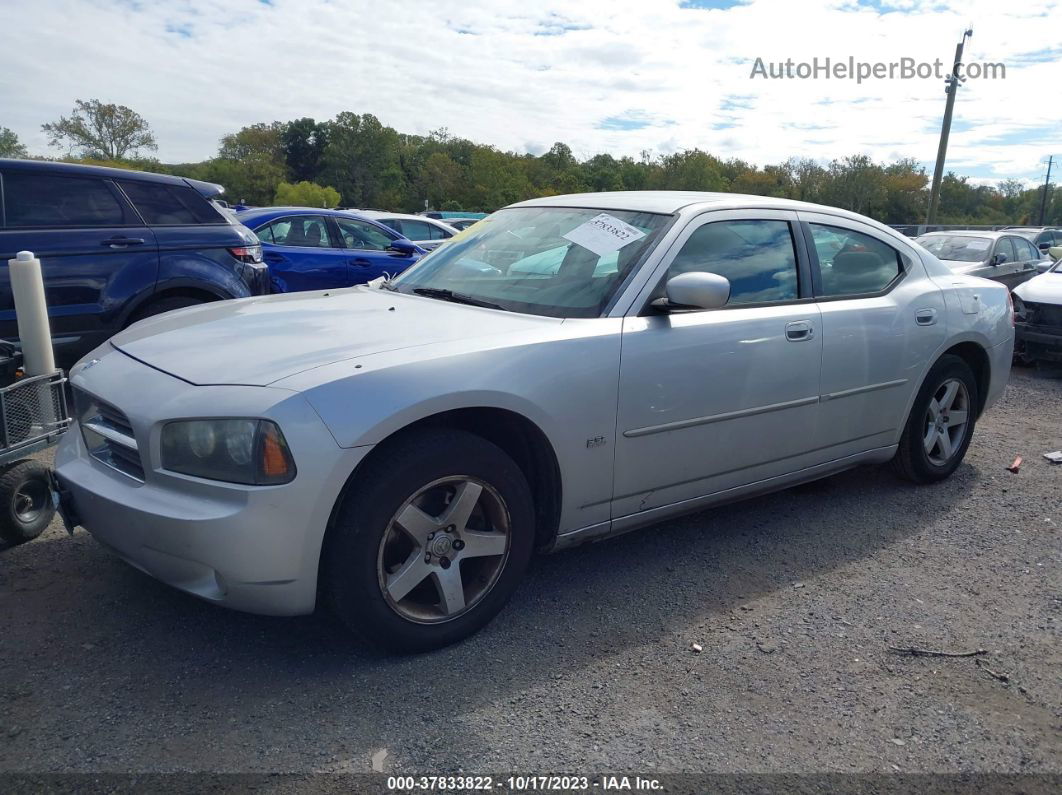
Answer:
(1047, 186)
(953, 80)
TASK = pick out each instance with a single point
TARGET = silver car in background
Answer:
(573, 368)
(428, 233)
(1006, 258)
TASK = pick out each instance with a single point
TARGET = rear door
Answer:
(882, 320)
(1028, 258)
(96, 253)
(368, 250)
(302, 255)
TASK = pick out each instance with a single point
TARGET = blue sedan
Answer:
(310, 249)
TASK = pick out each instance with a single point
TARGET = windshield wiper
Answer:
(457, 298)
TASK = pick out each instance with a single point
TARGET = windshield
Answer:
(958, 248)
(554, 261)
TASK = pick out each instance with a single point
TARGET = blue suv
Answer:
(117, 246)
(310, 249)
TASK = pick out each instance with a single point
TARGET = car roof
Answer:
(82, 170)
(256, 214)
(672, 201)
(409, 216)
(969, 232)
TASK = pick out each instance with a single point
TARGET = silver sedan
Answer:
(573, 368)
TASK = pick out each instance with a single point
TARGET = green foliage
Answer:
(102, 131)
(10, 146)
(306, 194)
(370, 165)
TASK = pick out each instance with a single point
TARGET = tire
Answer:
(26, 507)
(377, 536)
(162, 305)
(927, 423)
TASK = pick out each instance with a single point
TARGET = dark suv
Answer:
(117, 246)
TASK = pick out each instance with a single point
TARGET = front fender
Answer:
(366, 403)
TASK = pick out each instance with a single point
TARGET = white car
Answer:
(428, 233)
(578, 367)
(1038, 317)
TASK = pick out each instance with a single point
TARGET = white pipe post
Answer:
(31, 312)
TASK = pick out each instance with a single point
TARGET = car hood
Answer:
(958, 266)
(257, 341)
(1043, 289)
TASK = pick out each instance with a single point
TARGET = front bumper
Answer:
(1039, 342)
(253, 548)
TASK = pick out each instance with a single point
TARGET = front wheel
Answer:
(941, 423)
(430, 543)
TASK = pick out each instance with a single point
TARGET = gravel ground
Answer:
(794, 598)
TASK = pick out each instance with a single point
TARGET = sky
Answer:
(616, 76)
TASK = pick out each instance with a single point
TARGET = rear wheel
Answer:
(430, 543)
(941, 423)
(26, 507)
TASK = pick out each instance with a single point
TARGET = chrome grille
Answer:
(108, 434)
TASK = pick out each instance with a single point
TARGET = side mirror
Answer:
(403, 247)
(1044, 247)
(696, 290)
(998, 259)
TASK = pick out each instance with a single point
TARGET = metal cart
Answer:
(33, 415)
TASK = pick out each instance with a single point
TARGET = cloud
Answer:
(521, 75)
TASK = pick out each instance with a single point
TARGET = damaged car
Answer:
(1038, 318)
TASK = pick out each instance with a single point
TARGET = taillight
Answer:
(247, 253)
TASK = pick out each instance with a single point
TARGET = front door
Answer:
(715, 399)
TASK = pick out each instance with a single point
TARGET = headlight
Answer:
(1019, 307)
(249, 451)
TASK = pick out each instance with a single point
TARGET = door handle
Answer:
(361, 262)
(118, 242)
(799, 331)
(926, 317)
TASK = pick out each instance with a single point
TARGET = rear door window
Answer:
(851, 263)
(46, 200)
(160, 204)
(1026, 250)
(418, 230)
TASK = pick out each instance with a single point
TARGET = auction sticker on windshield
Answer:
(604, 234)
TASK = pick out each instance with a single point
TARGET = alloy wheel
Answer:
(946, 423)
(444, 549)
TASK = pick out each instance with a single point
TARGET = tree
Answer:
(306, 194)
(100, 130)
(439, 178)
(10, 146)
(256, 141)
(303, 142)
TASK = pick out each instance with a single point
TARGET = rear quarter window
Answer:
(170, 205)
